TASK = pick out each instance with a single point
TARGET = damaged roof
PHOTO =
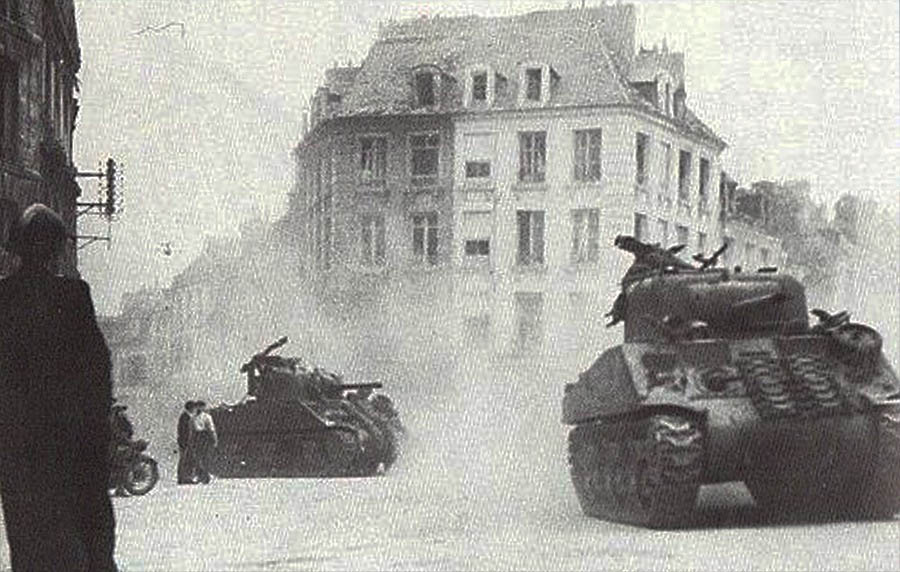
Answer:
(591, 50)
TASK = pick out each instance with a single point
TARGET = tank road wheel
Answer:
(644, 472)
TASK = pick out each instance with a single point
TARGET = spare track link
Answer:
(799, 385)
(644, 472)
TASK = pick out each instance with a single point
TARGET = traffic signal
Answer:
(110, 187)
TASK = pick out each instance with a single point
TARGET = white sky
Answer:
(204, 123)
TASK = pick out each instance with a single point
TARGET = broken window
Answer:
(587, 155)
(640, 157)
(533, 79)
(424, 151)
(373, 160)
(532, 156)
(425, 237)
(425, 92)
(531, 237)
(585, 235)
(372, 240)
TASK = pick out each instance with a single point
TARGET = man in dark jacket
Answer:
(55, 396)
(186, 470)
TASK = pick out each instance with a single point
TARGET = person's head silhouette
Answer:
(39, 236)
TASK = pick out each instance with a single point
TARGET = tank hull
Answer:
(298, 439)
(788, 416)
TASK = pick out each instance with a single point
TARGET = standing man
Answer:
(55, 396)
(120, 442)
(205, 440)
(185, 461)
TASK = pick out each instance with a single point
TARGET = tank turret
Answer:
(720, 377)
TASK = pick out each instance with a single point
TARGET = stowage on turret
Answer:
(721, 378)
(303, 421)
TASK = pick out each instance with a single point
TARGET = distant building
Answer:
(745, 218)
(39, 60)
(462, 187)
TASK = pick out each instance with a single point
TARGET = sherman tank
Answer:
(297, 420)
(722, 378)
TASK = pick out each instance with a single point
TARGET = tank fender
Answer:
(605, 388)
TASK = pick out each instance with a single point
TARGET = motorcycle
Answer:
(133, 469)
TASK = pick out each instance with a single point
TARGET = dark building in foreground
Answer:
(39, 60)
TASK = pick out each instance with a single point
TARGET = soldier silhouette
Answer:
(55, 396)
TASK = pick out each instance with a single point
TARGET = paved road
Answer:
(443, 523)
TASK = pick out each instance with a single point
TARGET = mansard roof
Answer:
(590, 50)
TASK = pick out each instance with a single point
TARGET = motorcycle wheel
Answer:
(141, 476)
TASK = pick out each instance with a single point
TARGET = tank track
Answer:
(639, 471)
(798, 385)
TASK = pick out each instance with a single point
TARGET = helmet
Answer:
(40, 233)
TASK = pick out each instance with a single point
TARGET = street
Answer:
(440, 522)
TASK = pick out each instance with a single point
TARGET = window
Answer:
(749, 254)
(425, 89)
(533, 79)
(425, 237)
(663, 226)
(587, 155)
(666, 170)
(531, 237)
(532, 156)
(681, 232)
(764, 256)
(684, 174)
(585, 235)
(701, 242)
(478, 170)
(372, 240)
(478, 153)
(529, 320)
(479, 87)
(9, 109)
(373, 160)
(640, 227)
(425, 161)
(478, 247)
(640, 156)
(475, 229)
(704, 179)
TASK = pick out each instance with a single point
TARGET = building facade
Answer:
(39, 60)
(461, 188)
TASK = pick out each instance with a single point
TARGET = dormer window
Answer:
(537, 81)
(533, 83)
(480, 88)
(425, 91)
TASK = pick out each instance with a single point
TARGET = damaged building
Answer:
(459, 190)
